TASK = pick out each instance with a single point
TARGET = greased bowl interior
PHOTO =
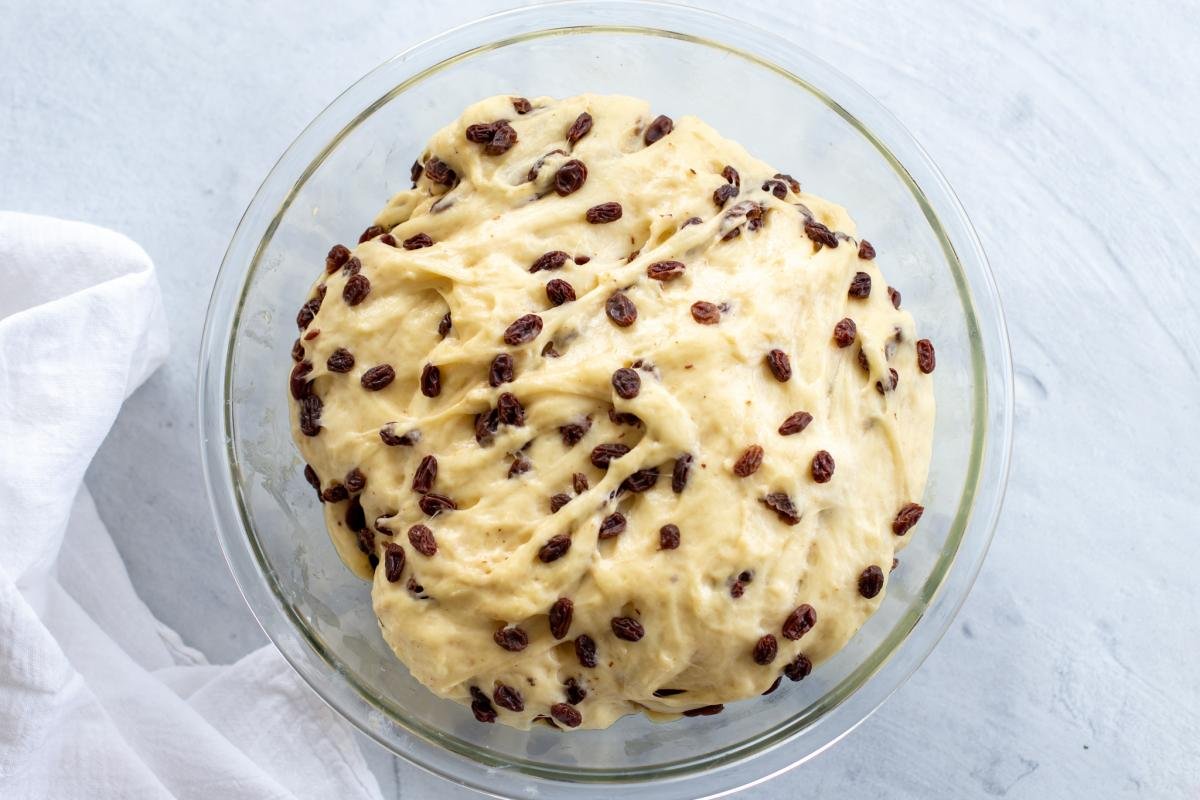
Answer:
(785, 107)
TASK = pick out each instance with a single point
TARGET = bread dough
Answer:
(764, 267)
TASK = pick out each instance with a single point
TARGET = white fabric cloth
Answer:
(98, 699)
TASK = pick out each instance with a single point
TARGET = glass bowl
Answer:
(787, 108)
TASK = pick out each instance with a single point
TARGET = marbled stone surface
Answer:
(1068, 130)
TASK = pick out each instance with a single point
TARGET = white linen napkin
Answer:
(98, 699)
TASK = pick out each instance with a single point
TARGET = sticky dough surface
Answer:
(706, 390)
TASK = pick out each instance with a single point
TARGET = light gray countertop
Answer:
(1068, 130)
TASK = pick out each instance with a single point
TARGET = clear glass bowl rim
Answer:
(747, 762)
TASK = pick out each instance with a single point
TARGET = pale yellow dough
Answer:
(705, 390)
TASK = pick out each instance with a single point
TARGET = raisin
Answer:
(627, 628)
(351, 267)
(668, 537)
(579, 483)
(667, 692)
(795, 423)
(307, 312)
(822, 466)
(731, 176)
(512, 639)
(415, 172)
(792, 183)
(356, 480)
(575, 693)
(501, 370)
(521, 105)
(335, 493)
(575, 431)
(297, 350)
(560, 617)
(425, 475)
(506, 696)
(799, 668)
(559, 291)
(444, 325)
(519, 466)
(439, 171)
(482, 706)
(737, 589)
(356, 289)
(310, 415)
(559, 500)
(691, 221)
(870, 582)
(774, 685)
(313, 479)
(926, 360)
(704, 711)
(338, 255)
(356, 519)
(665, 270)
(554, 548)
(627, 383)
(434, 504)
(780, 365)
(549, 351)
(765, 650)
(660, 127)
(524, 329)
(603, 213)
(431, 380)
(570, 177)
(723, 194)
(604, 454)
(844, 332)
(706, 313)
(641, 481)
(393, 562)
(777, 188)
(298, 382)
(894, 296)
(418, 241)
(799, 622)
(388, 239)
(893, 380)
(422, 540)
(552, 260)
(585, 650)
(783, 507)
(366, 538)
(392, 439)
(370, 233)
(620, 309)
(820, 235)
(623, 418)
(496, 137)
(680, 473)
(340, 360)
(749, 462)
(863, 363)
(510, 410)
(377, 378)
(906, 518)
(860, 286)
(612, 525)
(579, 128)
(566, 714)
(866, 251)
